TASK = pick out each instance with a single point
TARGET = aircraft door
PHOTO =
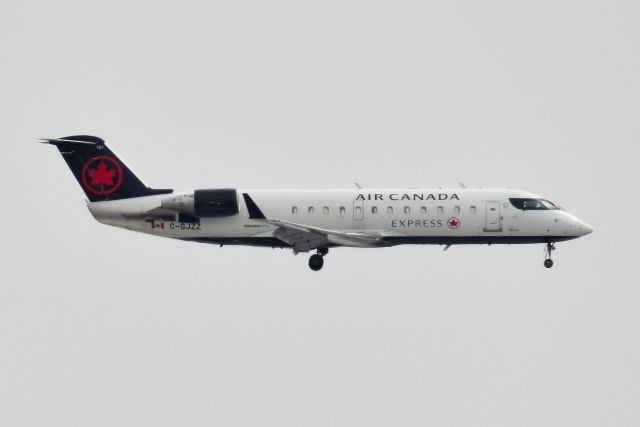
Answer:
(493, 217)
(358, 210)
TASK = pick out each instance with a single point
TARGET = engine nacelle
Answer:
(205, 203)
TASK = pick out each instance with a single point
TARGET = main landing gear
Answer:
(548, 262)
(316, 261)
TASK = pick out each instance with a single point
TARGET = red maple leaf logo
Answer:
(102, 175)
(105, 178)
(454, 223)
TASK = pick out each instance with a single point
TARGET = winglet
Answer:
(254, 210)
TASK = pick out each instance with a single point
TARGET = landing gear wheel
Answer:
(551, 246)
(316, 262)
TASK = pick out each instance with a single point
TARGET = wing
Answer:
(304, 238)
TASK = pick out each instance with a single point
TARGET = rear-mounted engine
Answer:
(204, 203)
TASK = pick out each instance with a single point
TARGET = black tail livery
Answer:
(100, 173)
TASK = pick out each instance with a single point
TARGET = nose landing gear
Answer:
(548, 262)
(316, 261)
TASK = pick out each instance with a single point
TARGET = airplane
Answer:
(314, 220)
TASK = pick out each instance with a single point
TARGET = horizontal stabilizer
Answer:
(56, 141)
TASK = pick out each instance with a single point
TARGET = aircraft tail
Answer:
(100, 172)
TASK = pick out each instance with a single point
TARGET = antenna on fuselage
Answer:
(358, 186)
(462, 185)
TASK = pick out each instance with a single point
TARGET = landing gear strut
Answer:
(548, 262)
(316, 261)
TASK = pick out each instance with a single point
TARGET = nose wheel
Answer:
(316, 261)
(548, 262)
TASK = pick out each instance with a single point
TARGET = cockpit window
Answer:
(552, 206)
(533, 204)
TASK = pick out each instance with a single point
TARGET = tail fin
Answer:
(100, 173)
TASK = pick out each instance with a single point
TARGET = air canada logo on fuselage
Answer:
(102, 175)
(407, 196)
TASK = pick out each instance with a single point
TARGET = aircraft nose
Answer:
(583, 228)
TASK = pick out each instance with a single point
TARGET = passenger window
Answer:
(407, 210)
(374, 209)
(294, 210)
(440, 209)
(325, 210)
(456, 209)
(472, 209)
(358, 210)
(310, 210)
(390, 210)
(423, 210)
(341, 210)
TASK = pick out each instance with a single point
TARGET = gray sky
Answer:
(103, 327)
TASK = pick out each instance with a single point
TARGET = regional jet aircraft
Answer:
(314, 220)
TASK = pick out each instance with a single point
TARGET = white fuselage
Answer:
(439, 216)
(312, 220)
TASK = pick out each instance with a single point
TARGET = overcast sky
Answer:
(105, 327)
